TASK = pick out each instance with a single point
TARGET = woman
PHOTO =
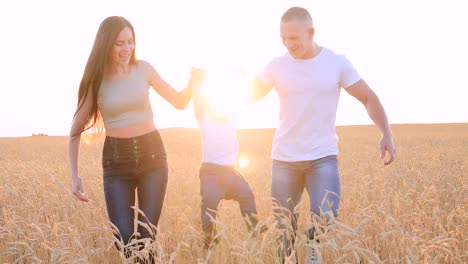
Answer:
(114, 90)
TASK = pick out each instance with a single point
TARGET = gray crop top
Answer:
(126, 101)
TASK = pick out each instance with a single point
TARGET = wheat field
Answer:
(413, 211)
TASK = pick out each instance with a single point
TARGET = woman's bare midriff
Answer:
(135, 130)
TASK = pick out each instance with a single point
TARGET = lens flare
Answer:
(243, 162)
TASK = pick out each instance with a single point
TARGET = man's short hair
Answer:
(298, 13)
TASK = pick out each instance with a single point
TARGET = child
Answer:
(218, 177)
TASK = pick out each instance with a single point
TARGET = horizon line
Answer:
(247, 128)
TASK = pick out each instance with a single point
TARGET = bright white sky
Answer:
(412, 53)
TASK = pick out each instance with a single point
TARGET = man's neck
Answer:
(314, 51)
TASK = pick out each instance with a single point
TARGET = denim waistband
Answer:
(132, 140)
(212, 168)
(147, 143)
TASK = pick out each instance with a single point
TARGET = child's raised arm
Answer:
(197, 78)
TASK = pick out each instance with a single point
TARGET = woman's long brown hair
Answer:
(99, 60)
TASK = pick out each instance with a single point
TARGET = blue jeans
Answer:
(224, 182)
(320, 178)
(134, 165)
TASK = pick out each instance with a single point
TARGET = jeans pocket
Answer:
(278, 166)
(107, 162)
(207, 183)
(156, 160)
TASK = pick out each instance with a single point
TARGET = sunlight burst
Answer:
(226, 90)
(243, 162)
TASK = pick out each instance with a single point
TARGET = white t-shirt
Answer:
(308, 91)
(219, 140)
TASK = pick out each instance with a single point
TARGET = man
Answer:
(308, 79)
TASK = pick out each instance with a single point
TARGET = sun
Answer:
(243, 162)
(226, 90)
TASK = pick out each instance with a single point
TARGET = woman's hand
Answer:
(197, 77)
(77, 189)
(387, 146)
